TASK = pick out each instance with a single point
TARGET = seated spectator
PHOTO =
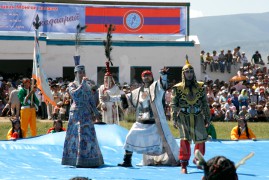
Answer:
(253, 115)
(218, 113)
(266, 111)
(228, 104)
(15, 132)
(243, 98)
(243, 112)
(241, 131)
(261, 115)
(57, 127)
(230, 114)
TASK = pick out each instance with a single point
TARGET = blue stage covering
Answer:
(40, 158)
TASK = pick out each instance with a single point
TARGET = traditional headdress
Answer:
(108, 49)
(79, 68)
(186, 67)
(146, 72)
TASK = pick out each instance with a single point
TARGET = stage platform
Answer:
(40, 158)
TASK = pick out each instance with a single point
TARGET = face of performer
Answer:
(81, 74)
(108, 81)
(189, 74)
(27, 84)
(147, 78)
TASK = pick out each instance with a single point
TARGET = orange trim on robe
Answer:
(9, 134)
(235, 136)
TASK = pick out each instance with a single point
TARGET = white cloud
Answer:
(196, 13)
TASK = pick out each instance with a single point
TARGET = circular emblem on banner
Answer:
(133, 20)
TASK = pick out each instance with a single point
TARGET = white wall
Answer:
(55, 57)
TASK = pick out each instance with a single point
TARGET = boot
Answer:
(184, 165)
(127, 160)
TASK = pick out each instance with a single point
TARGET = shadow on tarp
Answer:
(40, 158)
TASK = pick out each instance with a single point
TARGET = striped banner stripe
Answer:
(116, 20)
(152, 29)
(148, 12)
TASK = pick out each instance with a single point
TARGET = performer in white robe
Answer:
(150, 134)
(110, 110)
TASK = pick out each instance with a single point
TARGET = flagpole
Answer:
(38, 73)
(36, 24)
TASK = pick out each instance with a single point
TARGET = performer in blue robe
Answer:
(81, 148)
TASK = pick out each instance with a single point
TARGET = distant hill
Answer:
(249, 31)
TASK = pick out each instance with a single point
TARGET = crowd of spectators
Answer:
(248, 97)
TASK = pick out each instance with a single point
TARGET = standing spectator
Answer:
(203, 62)
(256, 58)
(237, 55)
(215, 58)
(209, 60)
(44, 113)
(67, 102)
(15, 104)
(190, 113)
(244, 59)
(229, 59)
(29, 102)
(242, 131)
(81, 148)
(222, 61)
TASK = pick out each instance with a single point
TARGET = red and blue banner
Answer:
(134, 20)
(63, 18)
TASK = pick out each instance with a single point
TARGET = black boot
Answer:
(127, 160)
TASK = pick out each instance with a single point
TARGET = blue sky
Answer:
(201, 8)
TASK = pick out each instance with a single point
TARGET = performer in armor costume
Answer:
(150, 134)
(81, 148)
(110, 110)
(190, 113)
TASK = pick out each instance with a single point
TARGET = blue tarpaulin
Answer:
(40, 158)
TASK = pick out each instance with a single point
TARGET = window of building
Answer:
(136, 72)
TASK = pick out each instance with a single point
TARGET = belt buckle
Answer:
(192, 109)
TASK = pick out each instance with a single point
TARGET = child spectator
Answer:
(57, 127)
(242, 131)
(15, 132)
